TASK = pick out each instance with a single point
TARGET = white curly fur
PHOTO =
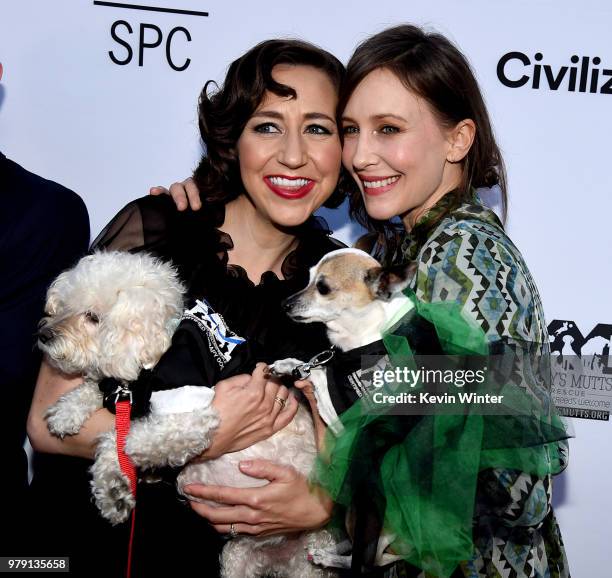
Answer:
(252, 556)
(68, 414)
(171, 440)
(139, 302)
(294, 446)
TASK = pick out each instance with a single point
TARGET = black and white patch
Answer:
(222, 340)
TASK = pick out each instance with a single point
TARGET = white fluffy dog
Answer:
(113, 315)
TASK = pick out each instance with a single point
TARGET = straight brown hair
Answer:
(433, 68)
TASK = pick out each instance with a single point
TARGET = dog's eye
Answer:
(91, 316)
(322, 287)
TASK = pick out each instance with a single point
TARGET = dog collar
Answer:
(138, 392)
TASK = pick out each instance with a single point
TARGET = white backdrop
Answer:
(110, 131)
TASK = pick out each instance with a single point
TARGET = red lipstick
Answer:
(289, 192)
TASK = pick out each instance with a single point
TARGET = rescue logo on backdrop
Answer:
(581, 370)
(582, 74)
(133, 36)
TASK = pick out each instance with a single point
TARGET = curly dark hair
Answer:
(432, 67)
(223, 114)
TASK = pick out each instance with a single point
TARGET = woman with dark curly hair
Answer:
(272, 158)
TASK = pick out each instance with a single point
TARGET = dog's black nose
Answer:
(44, 335)
(287, 304)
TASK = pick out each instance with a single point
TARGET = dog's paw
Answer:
(327, 559)
(63, 419)
(113, 497)
(285, 366)
(325, 551)
(111, 488)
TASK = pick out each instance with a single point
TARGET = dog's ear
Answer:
(137, 330)
(59, 293)
(385, 282)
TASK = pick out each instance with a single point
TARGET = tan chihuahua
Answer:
(356, 299)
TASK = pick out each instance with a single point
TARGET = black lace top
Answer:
(194, 243)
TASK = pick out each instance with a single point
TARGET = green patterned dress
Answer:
(466, 258)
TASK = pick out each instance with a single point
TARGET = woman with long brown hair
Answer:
(419, 143)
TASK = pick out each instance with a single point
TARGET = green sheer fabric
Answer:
(421, 471)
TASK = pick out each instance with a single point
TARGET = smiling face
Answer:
(395, 148)
(289, 150)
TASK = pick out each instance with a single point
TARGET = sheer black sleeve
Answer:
(142, 225)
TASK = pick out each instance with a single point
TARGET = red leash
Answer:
(122, 425)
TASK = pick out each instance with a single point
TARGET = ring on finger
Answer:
(282, 401)
(232, 531)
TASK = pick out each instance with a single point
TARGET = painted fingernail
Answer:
(246, 464)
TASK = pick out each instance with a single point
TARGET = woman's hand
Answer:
(184, 194)
(250, 411)
(287, 504)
